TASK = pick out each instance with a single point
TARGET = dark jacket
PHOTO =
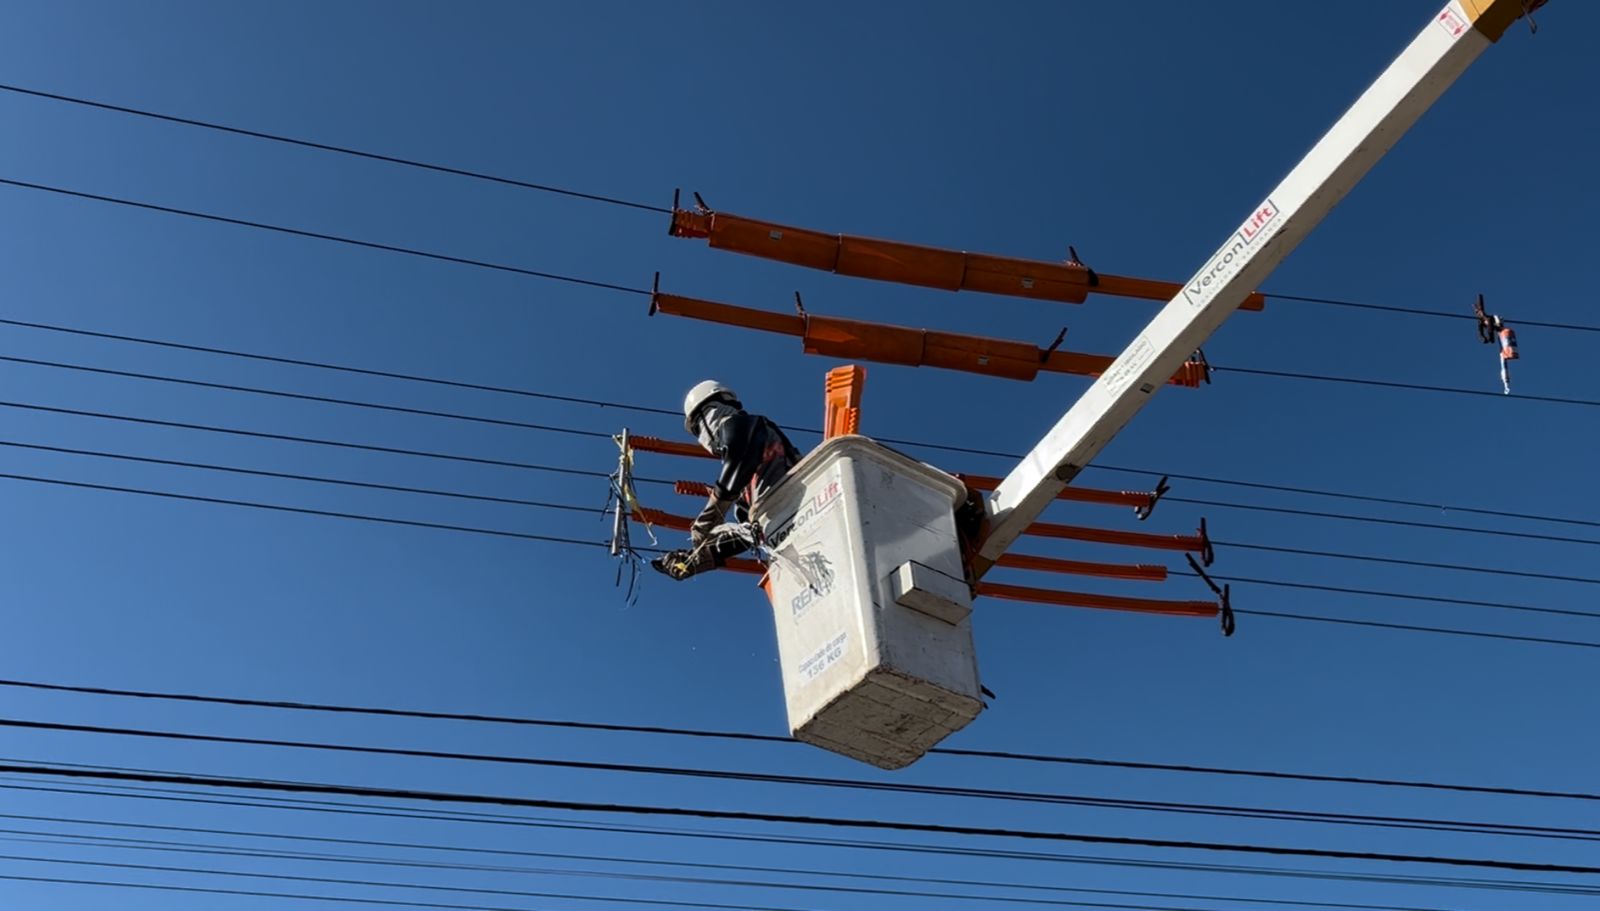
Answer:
(755, 456)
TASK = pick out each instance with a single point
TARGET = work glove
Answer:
(679, 565)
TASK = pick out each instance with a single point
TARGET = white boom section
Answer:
(1445, 48)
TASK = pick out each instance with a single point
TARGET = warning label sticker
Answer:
(1452, 20)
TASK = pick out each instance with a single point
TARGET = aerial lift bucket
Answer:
(870, 602)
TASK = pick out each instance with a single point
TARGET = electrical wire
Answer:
(275, 507)
(672, 412)
(502, 267)
(788, 819)
(1011, 795)
(389, 520)
(1414, 387)
(174, 795)
(595, 434)
(1396, 561)
(537, 504)
(304, 397)
(415, 886)
(1415, 311)
(203, 849)
(342, 150)
(612, 200)
(1376, 520)
(318, 235)
(153, 844)
(341, 368)
(744, 736)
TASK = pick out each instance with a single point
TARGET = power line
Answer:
(502, 267)
(248, 504)
(1399, 596)
(1415, 311)
(785, 818)
(306, 397)
(290, 438)
(319, 479)
(341, 368)
(672, 412)
(1376, 520)
(419, 887)
(1396, 561)
(1034, 797)
(1415, 387)
(612, 200)
(895, 847)
(254, 893)
(764, 738)
(205, 849)
(317, 235)
(212, 848)
(342, 150)
(595, 434)
(388, 520)
(600, 475)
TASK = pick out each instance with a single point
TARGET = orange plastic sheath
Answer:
(1076, 494)
(842, 401)
(1144, 572)
(668, 447)
(656, 517)
(1103, 602)
(1190, 543)
(851, 339)
(911, 264)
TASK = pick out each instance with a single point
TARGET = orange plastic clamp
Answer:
(1189, 543)
(1102, 602)
(668, 447)
(842, 389)
(1143, 572)
(1131, 498)
(914, 264)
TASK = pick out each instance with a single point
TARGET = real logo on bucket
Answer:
(817, 570)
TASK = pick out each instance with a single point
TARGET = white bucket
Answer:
(869, 602)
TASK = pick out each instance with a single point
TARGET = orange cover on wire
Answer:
(912, 264)
(884, 343)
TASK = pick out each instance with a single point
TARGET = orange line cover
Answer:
(912, 264)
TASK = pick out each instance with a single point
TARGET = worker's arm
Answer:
(716, 509)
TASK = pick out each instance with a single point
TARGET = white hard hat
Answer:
(703, 392)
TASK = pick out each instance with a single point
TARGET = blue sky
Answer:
(1140, 133)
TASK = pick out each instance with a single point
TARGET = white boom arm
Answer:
(1446, 47)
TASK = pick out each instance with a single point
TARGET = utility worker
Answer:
(755, 457)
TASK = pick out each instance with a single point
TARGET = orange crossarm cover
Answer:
(1188, 543)
(1103, 602)
(912, 264)
(1144, 572)
(648, 516)
(851, 339)
(668, 447)
(842, 404)
(1132, 498)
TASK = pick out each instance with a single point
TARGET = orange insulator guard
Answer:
(912, 264)
(851, 339)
